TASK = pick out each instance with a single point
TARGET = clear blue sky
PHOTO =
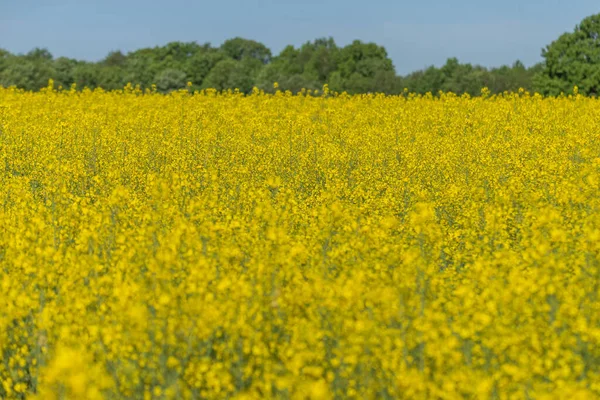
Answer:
(415, 33)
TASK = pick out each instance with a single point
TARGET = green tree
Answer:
(114, 59)
(428, 80)
(4, 59)
(27, 73)
(200, 64)
(463, 78)
(239, 49)
(308, 67)
(229, 74)
(171, 79)
(40, 55)
(507, 78)
(364, 67)
(572, 60)
(111, 77)
(142, 66)
(63, 68)
(86, 74)
(319, 59)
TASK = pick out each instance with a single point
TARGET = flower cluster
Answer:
(218, 245)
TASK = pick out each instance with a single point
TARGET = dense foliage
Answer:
(573, 60)
(271, 246)
(243, 64)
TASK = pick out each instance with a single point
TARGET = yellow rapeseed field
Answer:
(221, 245)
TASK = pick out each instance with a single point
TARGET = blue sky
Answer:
(416, 34)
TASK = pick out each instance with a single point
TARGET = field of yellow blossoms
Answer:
(229, 246)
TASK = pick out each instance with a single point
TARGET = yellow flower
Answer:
(221, 245)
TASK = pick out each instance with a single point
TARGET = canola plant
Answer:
(221, 245)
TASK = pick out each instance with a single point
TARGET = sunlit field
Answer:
(311, 246)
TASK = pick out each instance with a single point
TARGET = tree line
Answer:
(572, 59)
